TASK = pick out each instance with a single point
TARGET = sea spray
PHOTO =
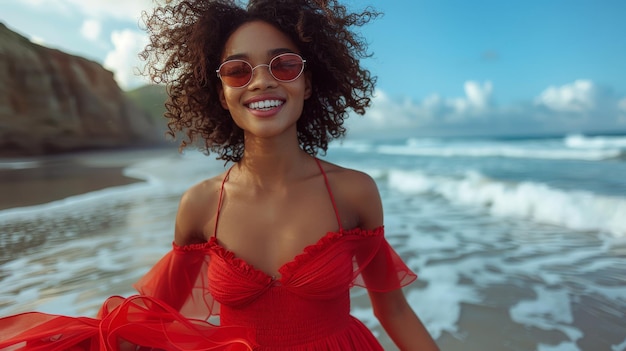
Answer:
(578, 210)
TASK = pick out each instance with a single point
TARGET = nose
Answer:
(261, 77)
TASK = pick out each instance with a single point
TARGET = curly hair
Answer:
(187, 38)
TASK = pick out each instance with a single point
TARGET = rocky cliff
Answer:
(53, 102)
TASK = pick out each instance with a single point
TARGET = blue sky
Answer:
(444, 67)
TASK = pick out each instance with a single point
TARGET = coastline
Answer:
(39, 180)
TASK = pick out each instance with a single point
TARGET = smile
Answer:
(265, 104)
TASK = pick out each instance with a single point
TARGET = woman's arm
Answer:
(177, 278)
(391, 308)
(196, 206)
(400, 321)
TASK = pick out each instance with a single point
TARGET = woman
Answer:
(274, 244)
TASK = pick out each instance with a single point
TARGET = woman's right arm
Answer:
(178, 275)
(195, 208)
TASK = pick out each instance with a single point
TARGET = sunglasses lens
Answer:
(235, 73)
(287, 67)
(238, 73)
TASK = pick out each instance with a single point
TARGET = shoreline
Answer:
(39, 180)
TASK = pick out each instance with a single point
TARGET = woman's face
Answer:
(265, 107)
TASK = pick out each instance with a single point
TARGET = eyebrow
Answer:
(272, 52)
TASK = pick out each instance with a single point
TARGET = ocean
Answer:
(519, 243)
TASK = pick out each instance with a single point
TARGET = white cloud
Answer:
(387, 114)
(38, 40)
(477, 100)
(386, 107)
(478, 96)
(91, 29)
(120, 9)
(621, 105)
(124, 60)
(579, 96)
(55, 5)
(474, 113)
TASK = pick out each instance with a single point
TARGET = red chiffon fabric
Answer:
(306, 308)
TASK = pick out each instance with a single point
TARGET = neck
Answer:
(271, 162)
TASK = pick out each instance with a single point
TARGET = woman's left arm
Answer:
(390, 307)
(400, 321)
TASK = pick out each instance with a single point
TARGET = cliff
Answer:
(52, 102)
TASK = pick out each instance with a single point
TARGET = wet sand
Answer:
(490, 327)
(39, 180)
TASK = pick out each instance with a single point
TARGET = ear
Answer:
(220, 92)
(308, 85)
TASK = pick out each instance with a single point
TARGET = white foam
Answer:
(95, 198)
(179, 171)
(499, 150)
(564, 346)
(551, 310)
(619, 347)
(354, 145)
(576, 210)
(579, 141)
(439, 304)
(13, 165)
(64, 304)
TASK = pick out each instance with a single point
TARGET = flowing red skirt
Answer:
(123, 324)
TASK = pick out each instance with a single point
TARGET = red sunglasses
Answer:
(284, 68)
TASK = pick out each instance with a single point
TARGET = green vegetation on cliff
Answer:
(150, 98)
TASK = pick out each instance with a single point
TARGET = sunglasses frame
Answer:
(269, 68)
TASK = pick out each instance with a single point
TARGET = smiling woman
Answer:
(332, 60)
(273, 244)
(259, 42)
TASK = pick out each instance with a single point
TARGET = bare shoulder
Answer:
(353, 182)
(358, 193)
(196, 209)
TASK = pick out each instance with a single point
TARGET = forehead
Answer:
(257, 40)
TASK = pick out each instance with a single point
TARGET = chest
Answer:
(269, 230)
(323, 270)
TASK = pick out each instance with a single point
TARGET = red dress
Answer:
(307, 308)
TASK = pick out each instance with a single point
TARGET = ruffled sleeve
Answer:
(377, 266)
(180, 280)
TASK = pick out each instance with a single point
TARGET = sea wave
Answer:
(577, 210)
(570, 147)
(580, 141)
(6, 164)
(500, 150)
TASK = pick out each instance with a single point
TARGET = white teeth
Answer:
(265, 104)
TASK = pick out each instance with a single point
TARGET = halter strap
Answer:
(330, 193)
(219, 203)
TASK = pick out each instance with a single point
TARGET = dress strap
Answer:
(330, 193)
(219, 203)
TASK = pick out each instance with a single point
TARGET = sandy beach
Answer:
(39, 180)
